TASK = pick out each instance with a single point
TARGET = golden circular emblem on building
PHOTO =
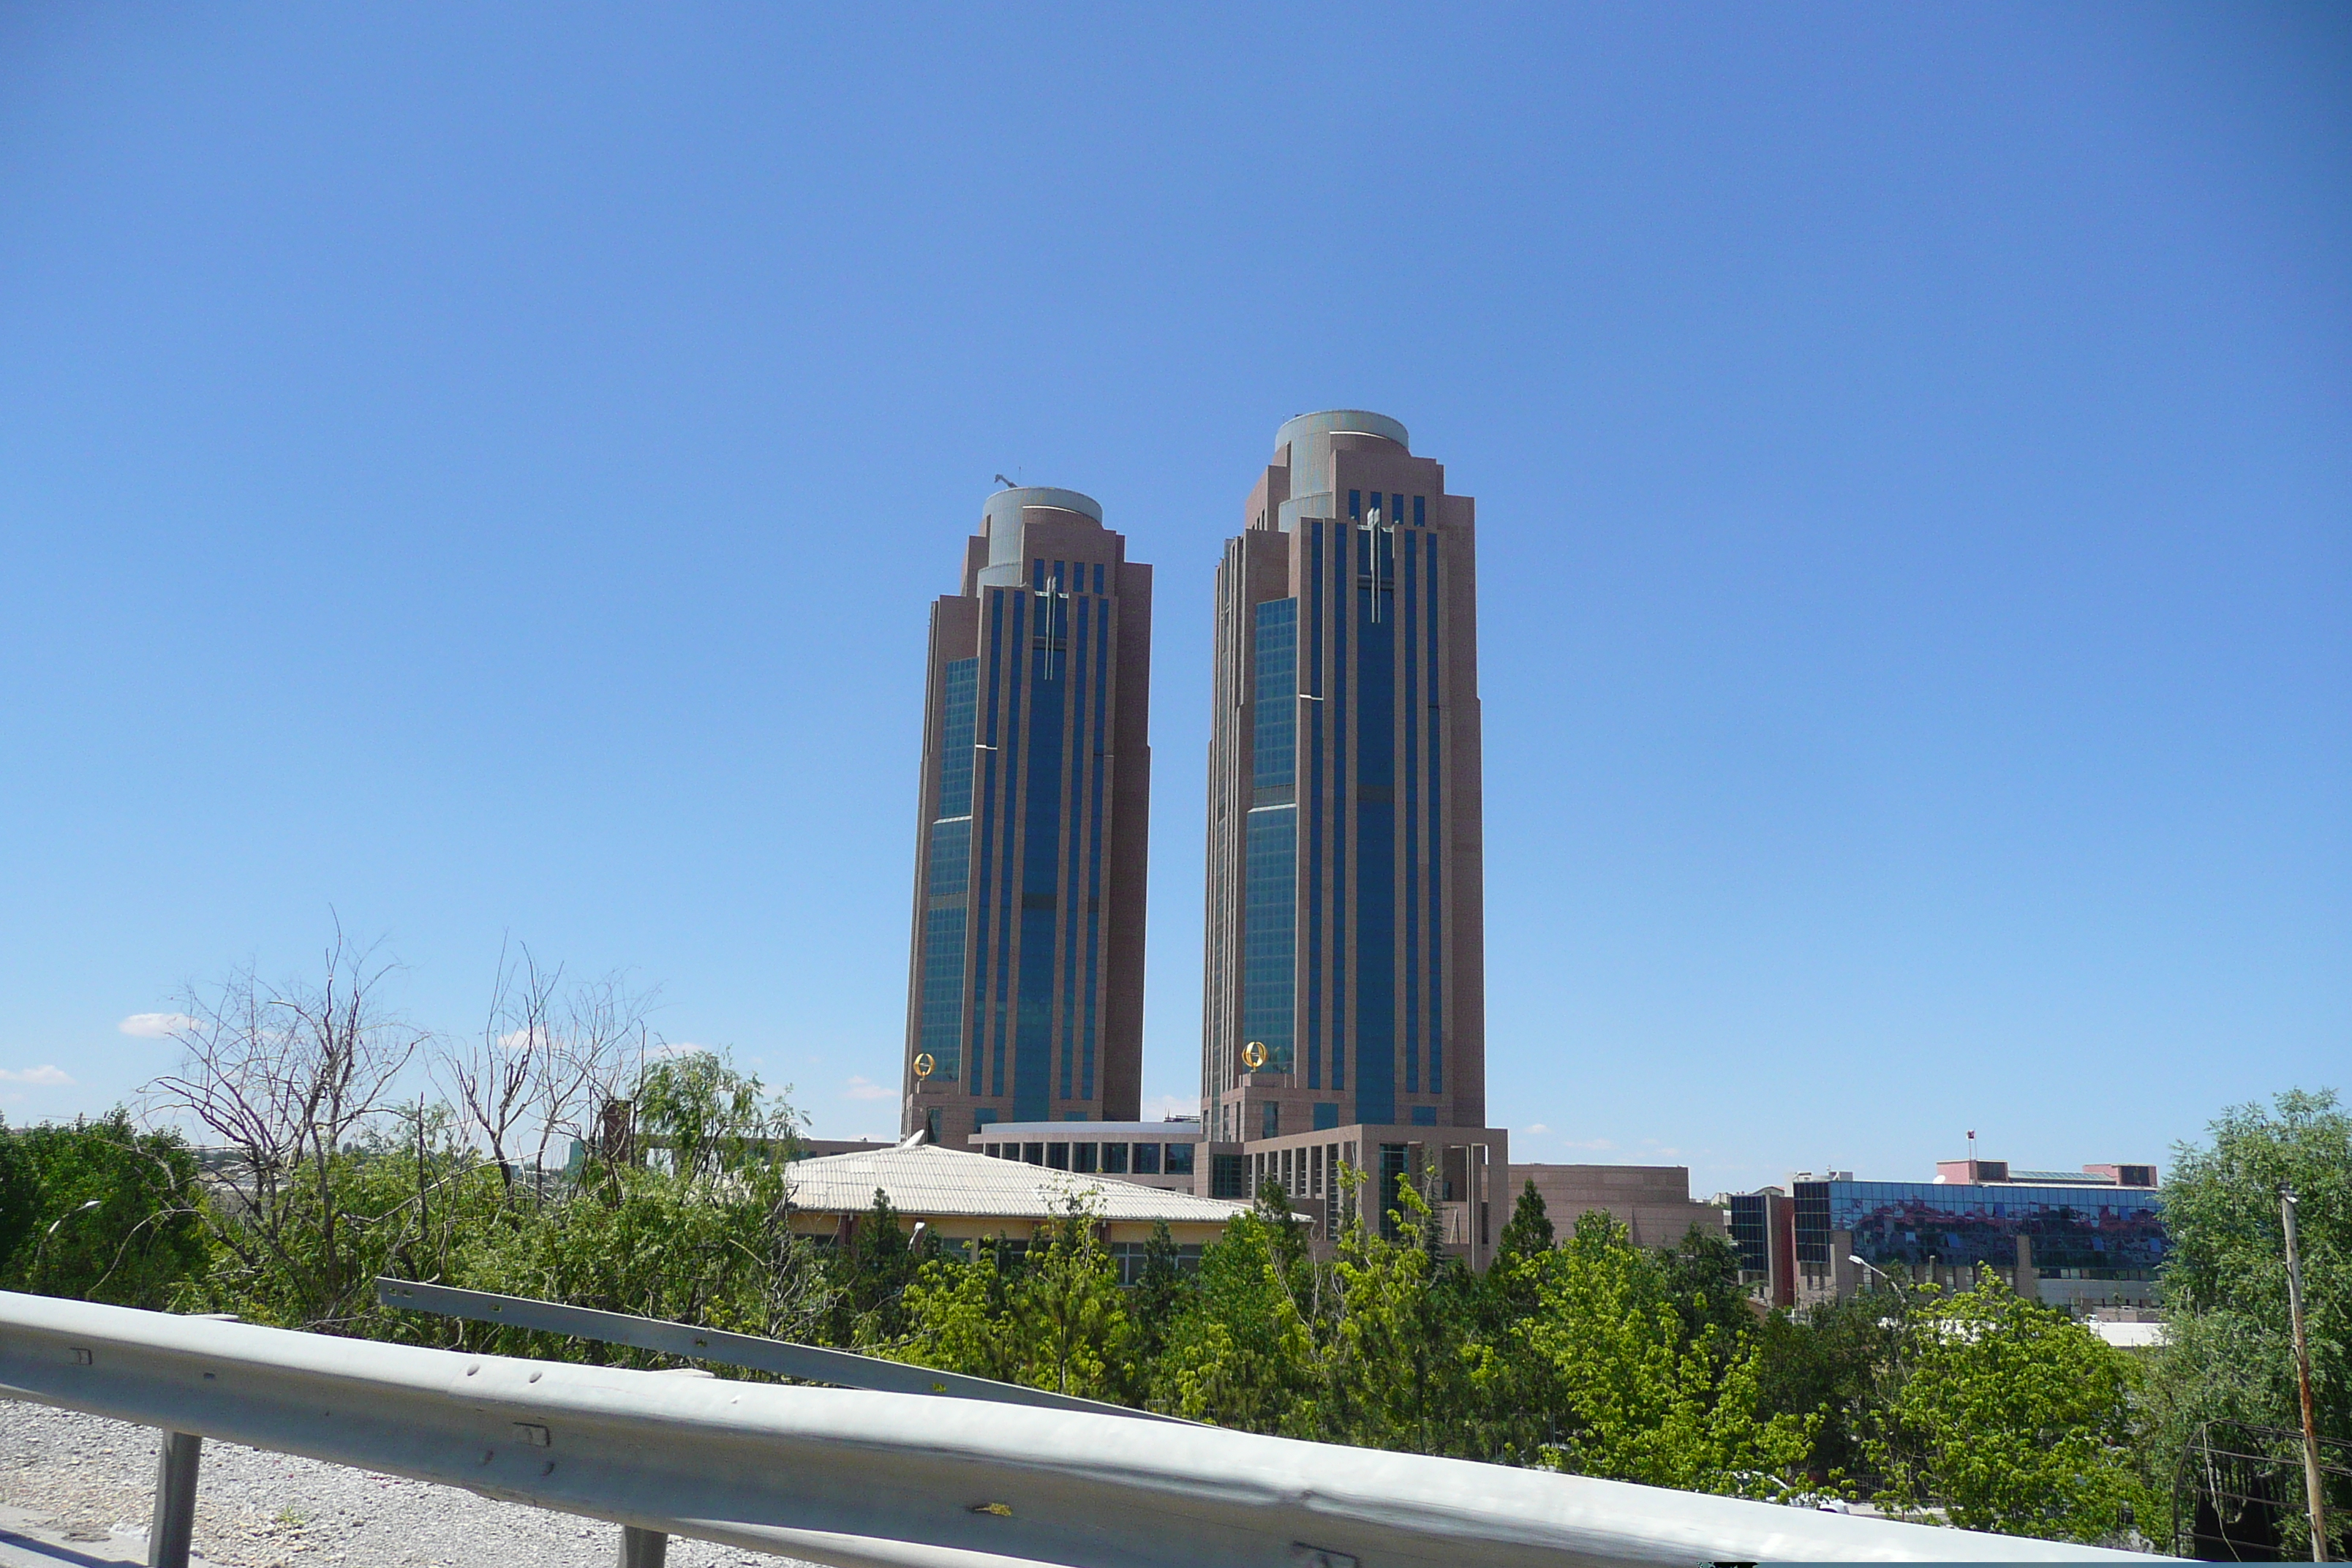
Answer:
(1254, 1055)
(925, 1064)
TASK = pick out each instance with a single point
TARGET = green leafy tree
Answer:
(1639, 1400)
(1158, 1298)
(2011, 1418)
(699, 1117)
(872, 1275)
(1057, 1321)
(98, 1211)
(1529, 1232)
(2228, 1352)
(1701, 1279)
(1837, 1360)
(1401, 1367)
(1240, 1352)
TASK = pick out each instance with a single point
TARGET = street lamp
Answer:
(1857, 1258)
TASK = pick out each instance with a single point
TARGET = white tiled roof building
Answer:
(960, 1195)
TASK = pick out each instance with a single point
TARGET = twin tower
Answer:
(1345, 983)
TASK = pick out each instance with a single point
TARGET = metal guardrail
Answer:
(864, 1480)
(810, 1363)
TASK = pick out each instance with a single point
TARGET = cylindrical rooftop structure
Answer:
(1001, 521)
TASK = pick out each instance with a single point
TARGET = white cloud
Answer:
(1537, 1128)
(48, 1075)
(867, 1088)
(154, 1026)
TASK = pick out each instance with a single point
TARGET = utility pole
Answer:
(2303, 1372)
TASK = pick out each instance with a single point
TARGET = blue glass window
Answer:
(951, 857)
(956, 737)
(1356, 504)
(1375, 901)
(1326, 1115)
(1424, 1116)
(942, 1028)
(1274, 746)
(1269, 930)
(1419, 516)
(1033, 1041)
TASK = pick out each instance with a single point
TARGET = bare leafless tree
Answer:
(550, 1059)
(496, 1081)
(287, 1077)
(600, 1057)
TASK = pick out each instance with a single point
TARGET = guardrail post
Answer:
(643, 1548)
(175, 1500)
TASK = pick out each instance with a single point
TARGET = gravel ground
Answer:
(90, 1478)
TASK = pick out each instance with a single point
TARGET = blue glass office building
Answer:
(1345, 937)
(2058, 1235)
(1025, 1001)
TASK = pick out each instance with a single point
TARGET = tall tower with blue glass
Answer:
(1026, 1003)
(1345, 955)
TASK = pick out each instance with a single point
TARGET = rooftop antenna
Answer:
(1008, 484)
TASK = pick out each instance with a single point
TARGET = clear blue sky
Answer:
(483, 470)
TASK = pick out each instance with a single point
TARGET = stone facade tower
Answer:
(1346, 932)
(1026, 999)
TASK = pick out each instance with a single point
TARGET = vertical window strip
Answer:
(1042, 769)
(1343, 814)
(988, 819)
(942, 1025)
(1374, 807)
(1094, 843)
(958, 704)
(1312, 802)
(1019, 673)
(1409, 775)
(1072, 832)
(1437, 933)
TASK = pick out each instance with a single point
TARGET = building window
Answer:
(1272, 1115)
(1033, 1153)
(1420, 518)
(1424, 1116)
(1356, 504)
(994, 1151)
(1147, 1158)
(1326, 1115)
(1391, 1189)
(1228, 1176)
(956, 737)
(1057, 1156)
(942, 1027)
(931, 1125)
(1114, 1158)
(1130, 1255)
(1179, 1161)
(1082, 1158)
(984, 1117)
